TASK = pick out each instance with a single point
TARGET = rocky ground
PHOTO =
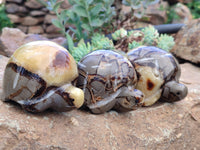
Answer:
(159, 127)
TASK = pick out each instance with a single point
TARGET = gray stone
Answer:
(187, 42)
(48, 18)
(15, 18)
(52, 29)
(23, 28)
(12, 38)
(156, 15)
(35, 29)
(14, 1)
(19, 38)
(37, 13)
(30, 21)
(183, 13)
(14, 8)
(33, 4)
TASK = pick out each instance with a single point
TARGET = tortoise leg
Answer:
(105, 104)
(59, 99)
(174, 91)
(40, 103)
(129, 99)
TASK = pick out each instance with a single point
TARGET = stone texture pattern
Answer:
(183, 13)
(187, 42)
(13, 38)
(28, 15)
(161, 126)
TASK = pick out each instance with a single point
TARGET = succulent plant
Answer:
(148, 36)
(119, 34)
(165, 42)
(98, 41)
(134, 44)
(81, 50)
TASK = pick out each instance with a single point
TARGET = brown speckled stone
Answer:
(187, 42)
(19, 38)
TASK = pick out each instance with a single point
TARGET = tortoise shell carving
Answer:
(158, 74)
(108, 81)
(38, 76)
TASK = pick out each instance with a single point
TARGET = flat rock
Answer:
(14, 18)
(48, 18)
(30, 21)
(37, 13)
(187, 42)
(157, 16)
(35, 29)
(15, 1)
(161, 126)
(19, 38)
(52, 29)
(33, 4)
(15, 9)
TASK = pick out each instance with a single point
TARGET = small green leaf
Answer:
(70, 42)
(71, 2)
(96, 22)
(79, 10)
(56, 6)
(57, 23)
(63, 16)
(96, 9)
(89, 1)
(79, 2)
(86, 27)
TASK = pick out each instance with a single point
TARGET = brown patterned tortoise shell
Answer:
(158, 74)
(108, 79)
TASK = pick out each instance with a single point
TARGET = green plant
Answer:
(165, 42)
(98, 41)
(194, 7)
(172, 15)
(150, 34)
(119, 34)
(140, 5)
(147, 36)
(89, 17)
(4, 20)
(86, 15)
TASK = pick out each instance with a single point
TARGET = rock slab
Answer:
(187, 42)
(19, 38)
(161, 126)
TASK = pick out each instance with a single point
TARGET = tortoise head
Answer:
(174, 91)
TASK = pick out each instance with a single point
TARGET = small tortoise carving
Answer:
(158, 72)
(38, 76)
(108, 80)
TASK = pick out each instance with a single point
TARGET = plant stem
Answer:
(89, 19)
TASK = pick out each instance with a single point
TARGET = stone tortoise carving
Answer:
(158, 74)
(38, 76)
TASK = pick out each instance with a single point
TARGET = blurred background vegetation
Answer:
(4, 20)
(92, 19)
